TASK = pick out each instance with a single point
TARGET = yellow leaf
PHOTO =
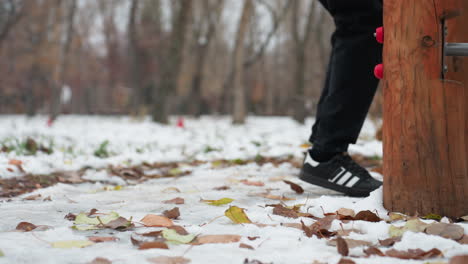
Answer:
(413, 225)
(237, 215)
(1, 254)
(82, 218)
(219, 202)
(72, 244)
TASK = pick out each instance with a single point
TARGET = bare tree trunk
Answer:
(239, 111)
(13, 16)
(61, 67)
(135, 60)
(300, 44)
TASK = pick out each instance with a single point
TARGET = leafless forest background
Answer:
(164, 57)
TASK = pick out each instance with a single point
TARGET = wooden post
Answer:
(425, 116)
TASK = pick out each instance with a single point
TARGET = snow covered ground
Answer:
(272, 237)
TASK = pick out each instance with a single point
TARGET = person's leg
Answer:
(350, 85)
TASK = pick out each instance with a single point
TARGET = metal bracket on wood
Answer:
(451, 49)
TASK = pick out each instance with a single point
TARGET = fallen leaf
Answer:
(222, 188)
(450, 231)
(253, 261)
(72, 244)
(152, 234)
(217, 239)
(253, 183)
(70, 217)
(253, 238)
(346, 212)
(342, 246)
(15, 162)
(295, 187)
(464, 218)
(373, 251)
(464, 240)
(156, 221)
(180, 230)
(169, 260)
(120, 223)
(100, 261)
(346, 261)
(459, 259)
(219, 202)
(242, 245)
(273, 197)
(367, 216)
(347, 232)
(389, 242)
(47, 199)
(174, 213)
(171, 235)
(177, 200)
(1, 253)
(25, 227)
(237, 215)
(352, 243)
(397, 216)
(283, 211)
(151, 245)
(307, 230)
(433, 217)
(97, 239)
(84, 219)
(414, 225)
(414, 253)
(171, 190)
(32, 197)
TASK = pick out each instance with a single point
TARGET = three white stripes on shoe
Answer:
(342, 177)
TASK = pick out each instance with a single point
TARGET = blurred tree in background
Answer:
(163, 57)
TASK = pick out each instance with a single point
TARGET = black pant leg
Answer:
(350, 85)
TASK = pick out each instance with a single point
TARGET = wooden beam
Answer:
(425, 148)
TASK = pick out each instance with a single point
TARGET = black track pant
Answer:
(350, 84)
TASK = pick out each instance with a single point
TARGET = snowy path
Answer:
(273, 241)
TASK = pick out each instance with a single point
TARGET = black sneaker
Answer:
(341, 174)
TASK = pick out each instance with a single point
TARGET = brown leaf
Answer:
(177, 200)
(32, 197)
(283, 211)
(120, 223)
(180, 230)
(15, 162)
(273, 197)
(174, 213)
(217, 239)
(346, 261)
(92, 212)
(100, 261)
(154, 244)
(346, 212)
(342, 246)
(253, 238)
(253, 261)
(450, 231)
(70, 217)
(152, 234)
(253, 183)
(222, 188)
(169, 260)
(367, 216)
(295, 187)
(97, 239)
(464, 240)
(459, 260)
(25, 227)
(414, 253)
(156, 221)
(242, 245)
(352, 243)
(389, 242)
(373, 251)
(307, 230)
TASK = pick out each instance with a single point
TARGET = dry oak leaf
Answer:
(242, 245)
(154, 244)
(450, 231)
(100, 261)
(120, 223)
(97, 239)
(174, 213)
(346, 261)
(414, 253)
(217, 239)
(283, 211)
(25, 227)
(367, 216)
(390, 241)
(342, 246)
(156, 221)
(295, 187)
(459, 260)
(177, 200)
(253, 183)
(373, 251)
(352, 243)
(169, 260)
